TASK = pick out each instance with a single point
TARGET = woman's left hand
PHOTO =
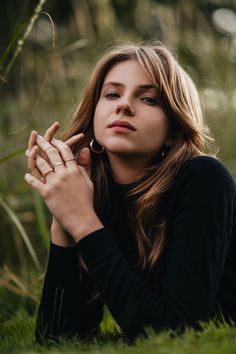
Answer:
(68, 191)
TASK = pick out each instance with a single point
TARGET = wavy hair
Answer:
(190, 137)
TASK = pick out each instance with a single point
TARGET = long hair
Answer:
(179, 99)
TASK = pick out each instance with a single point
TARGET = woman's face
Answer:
(128, 96)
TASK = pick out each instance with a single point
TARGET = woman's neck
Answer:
(127, 169)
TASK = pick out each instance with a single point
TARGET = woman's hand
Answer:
(58, 235)
(68, 191)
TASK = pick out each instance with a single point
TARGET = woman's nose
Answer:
(125, 107)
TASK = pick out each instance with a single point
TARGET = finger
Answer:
(85, 159)
(32, 165)
(85, 175)
(51, 131)
(65, 152)
(34, 182)
(74, 139)
(32, 139)
(43, 167)
(52, 152)
(31, 154)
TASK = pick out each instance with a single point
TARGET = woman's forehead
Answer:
(128, 72)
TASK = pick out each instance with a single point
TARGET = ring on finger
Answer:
(58, 163)
(47, 172)
(72, 159)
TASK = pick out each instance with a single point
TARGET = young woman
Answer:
(143, 214)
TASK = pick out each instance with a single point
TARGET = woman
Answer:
(140, 199)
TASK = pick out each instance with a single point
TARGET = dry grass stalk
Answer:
(28, 30)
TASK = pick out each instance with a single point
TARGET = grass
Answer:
(17, 336)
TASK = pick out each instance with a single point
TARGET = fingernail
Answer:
(28, 177)
(29, 153)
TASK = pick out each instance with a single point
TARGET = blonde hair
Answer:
(178, 97)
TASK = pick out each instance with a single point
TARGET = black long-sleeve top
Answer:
(193, 280)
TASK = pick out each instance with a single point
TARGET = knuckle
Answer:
(56, 184)
(62, 175)
(73, 170)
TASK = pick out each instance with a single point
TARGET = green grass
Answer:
(17, 336)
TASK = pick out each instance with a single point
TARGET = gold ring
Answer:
(47, 172)
(50, 147)
(70, 159)
(58, 163)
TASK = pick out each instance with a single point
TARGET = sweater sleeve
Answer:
(198, 237)
(64, 309)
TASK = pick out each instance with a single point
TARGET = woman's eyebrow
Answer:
(113, 83)
(143, 87)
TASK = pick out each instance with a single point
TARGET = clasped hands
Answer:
(66, 187)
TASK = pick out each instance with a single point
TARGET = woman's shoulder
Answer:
(206, 163)
(206, 166)
(207, 173)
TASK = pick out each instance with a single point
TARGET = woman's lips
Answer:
(121, 126)
(118, 128)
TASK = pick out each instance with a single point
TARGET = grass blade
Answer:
(12, 41)
(22, 232)
(11, 155)
(41, 219)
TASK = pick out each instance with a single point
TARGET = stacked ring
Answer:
(70, 159)
(58, 163)
(47, 172)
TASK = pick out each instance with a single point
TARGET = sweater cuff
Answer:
(62, 257)
(97, 246)
(61, 251)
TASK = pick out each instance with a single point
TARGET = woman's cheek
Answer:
(98, 130)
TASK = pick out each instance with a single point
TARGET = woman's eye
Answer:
(112, 95)
(149, 100)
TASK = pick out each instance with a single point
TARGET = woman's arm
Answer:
(201, 214)
(64, 308)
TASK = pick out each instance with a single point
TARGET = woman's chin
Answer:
(119, 148)
(119, 153)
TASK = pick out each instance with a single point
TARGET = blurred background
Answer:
(47, 51)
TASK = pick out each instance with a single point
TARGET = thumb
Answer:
(85, 159)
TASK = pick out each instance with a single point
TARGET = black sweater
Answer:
(193, 280)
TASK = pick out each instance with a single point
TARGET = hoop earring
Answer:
(92, 147)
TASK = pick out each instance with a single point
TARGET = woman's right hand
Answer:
(59, 235)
